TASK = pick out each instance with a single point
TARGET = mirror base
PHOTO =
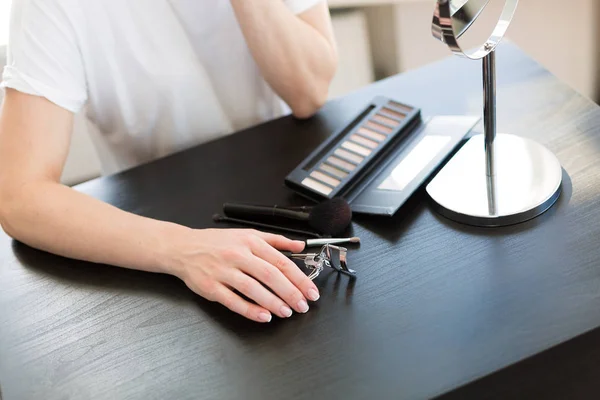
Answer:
(526, 183)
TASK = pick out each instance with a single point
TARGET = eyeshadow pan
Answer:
(356, 148)
(379, 127)
(363, 141)
(385, 120)
(325, 178)
(318, 186)
(333, 171)
(341, 163)
(372, 134)
(392, 113)
(400, 107)
(346, 155)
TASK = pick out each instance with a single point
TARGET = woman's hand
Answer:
(215, 263)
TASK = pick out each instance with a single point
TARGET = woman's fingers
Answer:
(252, 289)
(290, 271)
(281, 242)
(240, 306)
(267, 274)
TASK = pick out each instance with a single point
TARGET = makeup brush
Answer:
(330, 217)
(308, 242)
(221, 218)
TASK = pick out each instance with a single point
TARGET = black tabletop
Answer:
(438, 308)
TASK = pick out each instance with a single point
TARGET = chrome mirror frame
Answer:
(452, 19)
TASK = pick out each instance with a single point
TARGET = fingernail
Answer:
(264, 317)
(286, 311)
(302, 306)
(313, 294)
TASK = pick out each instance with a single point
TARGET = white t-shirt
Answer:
(153, 76)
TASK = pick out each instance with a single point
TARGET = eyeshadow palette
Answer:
(383, 156)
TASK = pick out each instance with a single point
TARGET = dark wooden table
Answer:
(438, 309)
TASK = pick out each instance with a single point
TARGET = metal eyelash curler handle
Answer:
(311, 261)
(315, 268)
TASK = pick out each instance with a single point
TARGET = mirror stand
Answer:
(495, 179)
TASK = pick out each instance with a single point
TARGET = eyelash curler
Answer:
(325, 258)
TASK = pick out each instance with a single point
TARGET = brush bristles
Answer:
(331, 217)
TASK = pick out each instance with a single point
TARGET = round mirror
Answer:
(452, 19)
(493, 180)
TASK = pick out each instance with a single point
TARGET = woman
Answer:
(156, 76)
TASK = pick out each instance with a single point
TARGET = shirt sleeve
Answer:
(299, 6)
(43, 57)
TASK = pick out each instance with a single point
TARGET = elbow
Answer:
(312, 90)
(309, 102)
(8, 215)
(13, 200)
(312, 93)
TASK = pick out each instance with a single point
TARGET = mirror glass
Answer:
(464, 13)
(474, 21)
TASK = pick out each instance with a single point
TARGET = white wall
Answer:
(559, 34)
(355, 68)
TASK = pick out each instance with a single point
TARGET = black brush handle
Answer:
(221, 218)
(248, 210)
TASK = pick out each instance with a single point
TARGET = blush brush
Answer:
(330, 217)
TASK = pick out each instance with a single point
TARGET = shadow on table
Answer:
(393, 229)
(164, 289)
(557, 209)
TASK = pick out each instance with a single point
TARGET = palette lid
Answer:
(411, 164)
